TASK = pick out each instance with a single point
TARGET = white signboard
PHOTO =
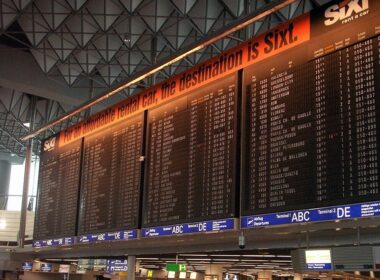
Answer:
(318, 259)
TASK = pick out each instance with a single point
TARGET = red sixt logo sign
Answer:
(49, 144)
(346, 11)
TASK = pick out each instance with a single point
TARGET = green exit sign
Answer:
(176, 267)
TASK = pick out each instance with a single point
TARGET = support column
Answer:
(214, 270)
(131, 268)
(24, 203)
(5, 176)
(264, 275)
(28, 160)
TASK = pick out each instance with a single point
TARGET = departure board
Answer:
(191, 157)
(313, 129)
(111, 176)
(58, 189)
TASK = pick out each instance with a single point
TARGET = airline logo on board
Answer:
(49, 144)
(346, 11)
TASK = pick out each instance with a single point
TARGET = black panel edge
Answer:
(239, 159)
(143, 168)
(80, 181)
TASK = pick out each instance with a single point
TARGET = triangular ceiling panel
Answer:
(205, 13)
(259, 26)
(63, 42)
(8, 13)
(88, 59)
(164, 53)
(83, 27)
(107, 45)
(105, 12)
(110, 72)
(130, 29)
(192, 37)
(6, 99)
(131, 5)
(184, 6)
(76, 4)
(222, 44)
(21, 4)
(176, 31)
(298, 8)
(70, 71)
(53, 11)
(129, 61)
(144, 45)
(236, 7)
(156, 13)
(34, 25)
(45, 56)
(222, 20)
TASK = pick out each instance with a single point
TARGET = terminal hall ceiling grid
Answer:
(72, 50)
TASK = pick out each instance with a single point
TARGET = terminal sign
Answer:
(207, 226)
(318, 259)
(344, 212)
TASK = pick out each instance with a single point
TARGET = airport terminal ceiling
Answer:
(72, 50)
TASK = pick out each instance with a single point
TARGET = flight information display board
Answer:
(110, 192)
(191, 157)
(59, 177)
(313, 127)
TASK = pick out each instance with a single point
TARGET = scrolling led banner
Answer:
(273, 42)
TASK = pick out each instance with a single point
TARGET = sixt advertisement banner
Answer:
(334, 17)
(338, 24)
(275, 41)
(344, 212)
(208, 226)
(108, 236)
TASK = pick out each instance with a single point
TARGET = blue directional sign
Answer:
(46, 267)
(108, 236)
(319, 266)
(344, 212)
(54, 242)
(27, 266)
(208, 226)
(116, 266)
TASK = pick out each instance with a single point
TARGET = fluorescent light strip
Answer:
(266, 10)
(193, 255)
(234, 256)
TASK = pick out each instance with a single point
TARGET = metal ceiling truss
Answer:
(107, 41)
(15, 112)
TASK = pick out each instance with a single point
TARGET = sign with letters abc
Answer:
(108, 236)
(208, 226)
(344, 212)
